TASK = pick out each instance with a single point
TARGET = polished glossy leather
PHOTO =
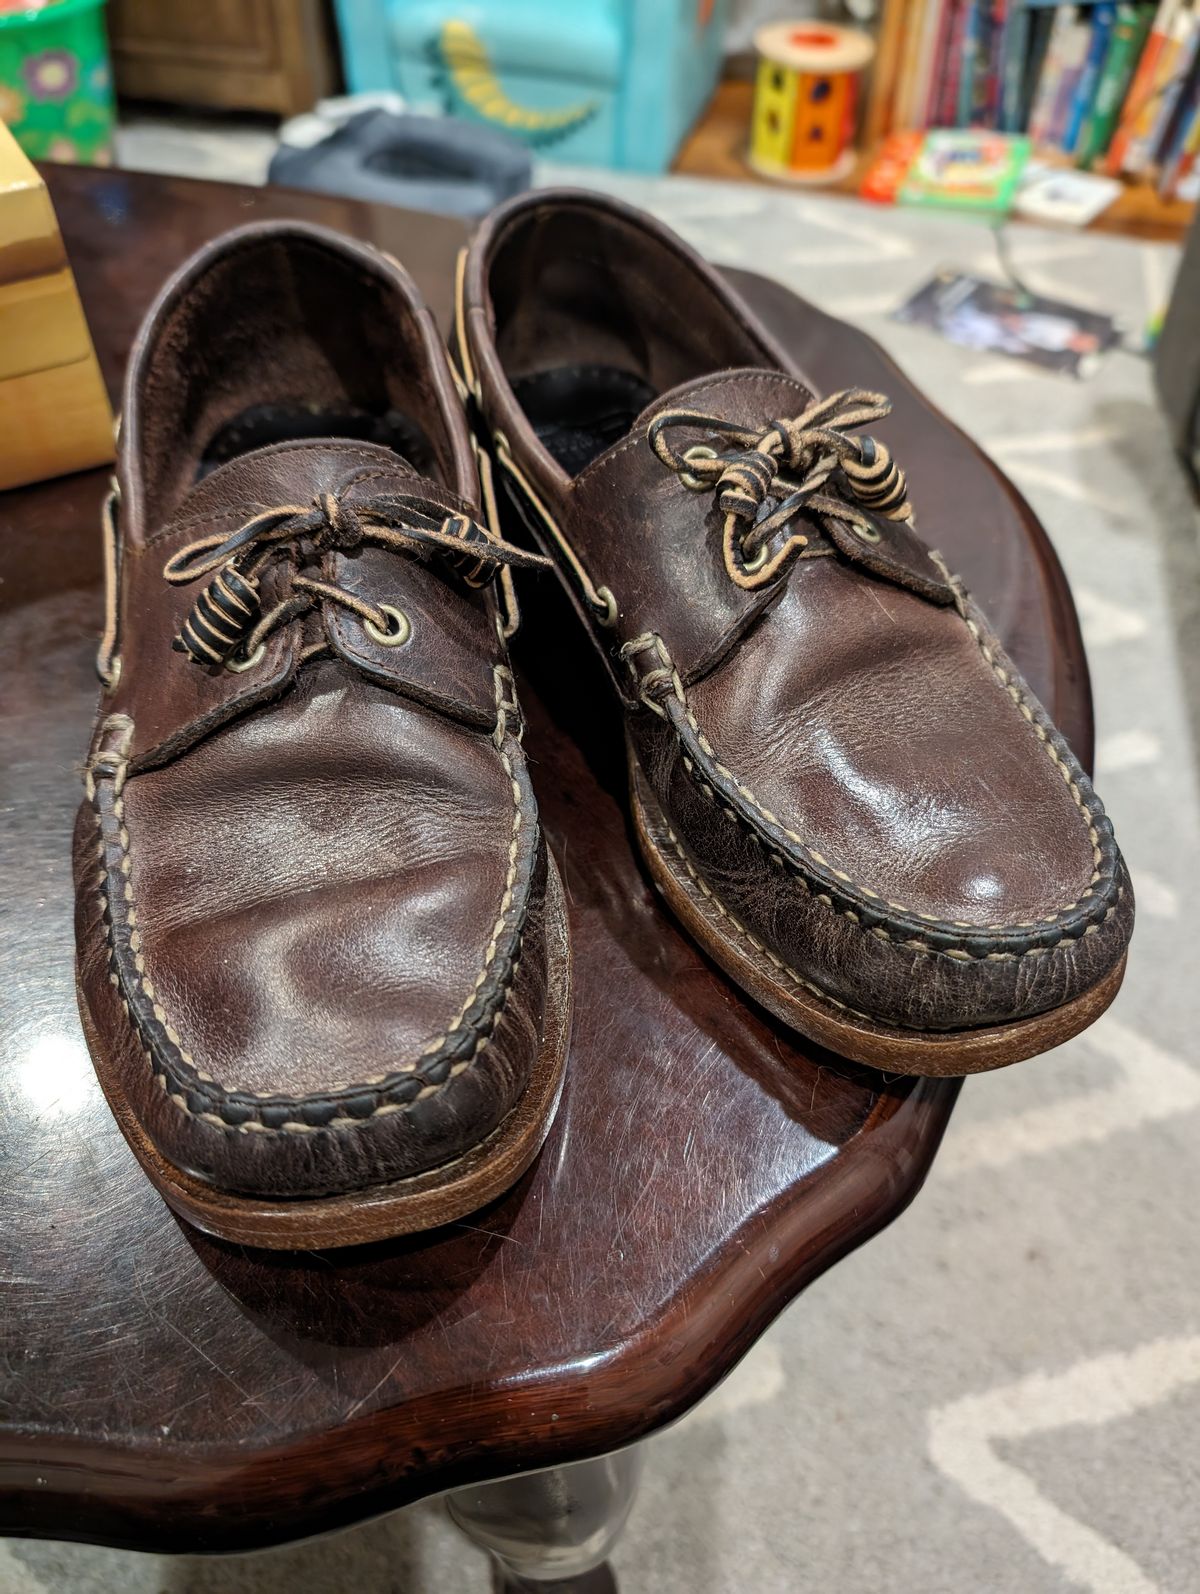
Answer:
(309, 893)
(853, 768)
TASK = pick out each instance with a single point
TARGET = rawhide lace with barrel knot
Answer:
(809, 463)
(226, 624)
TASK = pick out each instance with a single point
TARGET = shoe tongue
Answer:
(291, 473)
(748, 396)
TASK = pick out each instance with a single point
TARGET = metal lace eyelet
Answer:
(866, 532)
(758, 560)
(604, 606)
(697, 451)
(399, 632)
(236, 664)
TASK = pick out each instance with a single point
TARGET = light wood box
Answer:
(54, 411)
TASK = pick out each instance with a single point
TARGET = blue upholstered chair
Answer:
(602, 82)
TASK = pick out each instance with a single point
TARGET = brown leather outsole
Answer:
(379, 1213)
(937, 1054)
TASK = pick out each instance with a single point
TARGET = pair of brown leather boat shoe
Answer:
(324, 960)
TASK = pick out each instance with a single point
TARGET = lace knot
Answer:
(808, 463)
(226, 620)
(745, 482)
(341, 527)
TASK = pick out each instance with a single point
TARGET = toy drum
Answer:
(805, 100)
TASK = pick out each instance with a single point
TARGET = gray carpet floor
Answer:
(1001, 1393)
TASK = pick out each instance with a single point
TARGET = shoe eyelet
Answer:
(398, 635)
(237, 665)
(604, 606)
(866, 533)
(758, 561)
(697, 451)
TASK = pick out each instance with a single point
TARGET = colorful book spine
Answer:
(980, 94)
(1175, 101)
(972, 34)
(1015, 53)
(1050, 77)
(1171, 152)
(1184, 181)
(905, 113)
(1141, 89)
(1128, 39)
(926, 66)
(948, 102)
(941, 65)
(993, 86)
(1103, 17)
(1074, 54)
(1149, 126)
(1041, 26)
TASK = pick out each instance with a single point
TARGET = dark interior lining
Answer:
(284, 339)
(579, 411)
(592, 325)
(262, 425)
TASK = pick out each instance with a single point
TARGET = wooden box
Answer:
(54, 411)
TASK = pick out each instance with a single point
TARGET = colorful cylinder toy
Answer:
(806, 100)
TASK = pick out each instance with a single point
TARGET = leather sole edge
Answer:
(940, 1054)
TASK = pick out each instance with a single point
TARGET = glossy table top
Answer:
(160, 1389)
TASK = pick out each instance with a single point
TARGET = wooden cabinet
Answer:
(263, 55)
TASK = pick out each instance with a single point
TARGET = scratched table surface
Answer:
(160, 1389)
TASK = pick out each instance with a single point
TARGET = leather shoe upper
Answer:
(310, 872)
(845, 755)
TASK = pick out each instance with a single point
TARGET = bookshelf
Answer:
(717, 145)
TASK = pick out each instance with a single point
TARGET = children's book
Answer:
(1180, 169)
(974, 27)
(1103, 18)
(1173, 99)
(947, 105)
(1129, 34)
(965, 170)
(1050, 78)
(1064, 196)
(1014, 53)
(1139, 102)
(940, 66)
(1075, 49)
(888, 170)
(1041, 24)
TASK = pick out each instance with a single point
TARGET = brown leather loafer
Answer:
(841, 784)
(322, 951)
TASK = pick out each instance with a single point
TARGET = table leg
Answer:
(551, 1532)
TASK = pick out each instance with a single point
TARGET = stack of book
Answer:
(1114, 85)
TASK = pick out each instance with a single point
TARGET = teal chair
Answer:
(600, 82)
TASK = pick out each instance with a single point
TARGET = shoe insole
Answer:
(578, 411)
(264, 424)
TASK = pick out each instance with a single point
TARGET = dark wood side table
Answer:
(162, 1390)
